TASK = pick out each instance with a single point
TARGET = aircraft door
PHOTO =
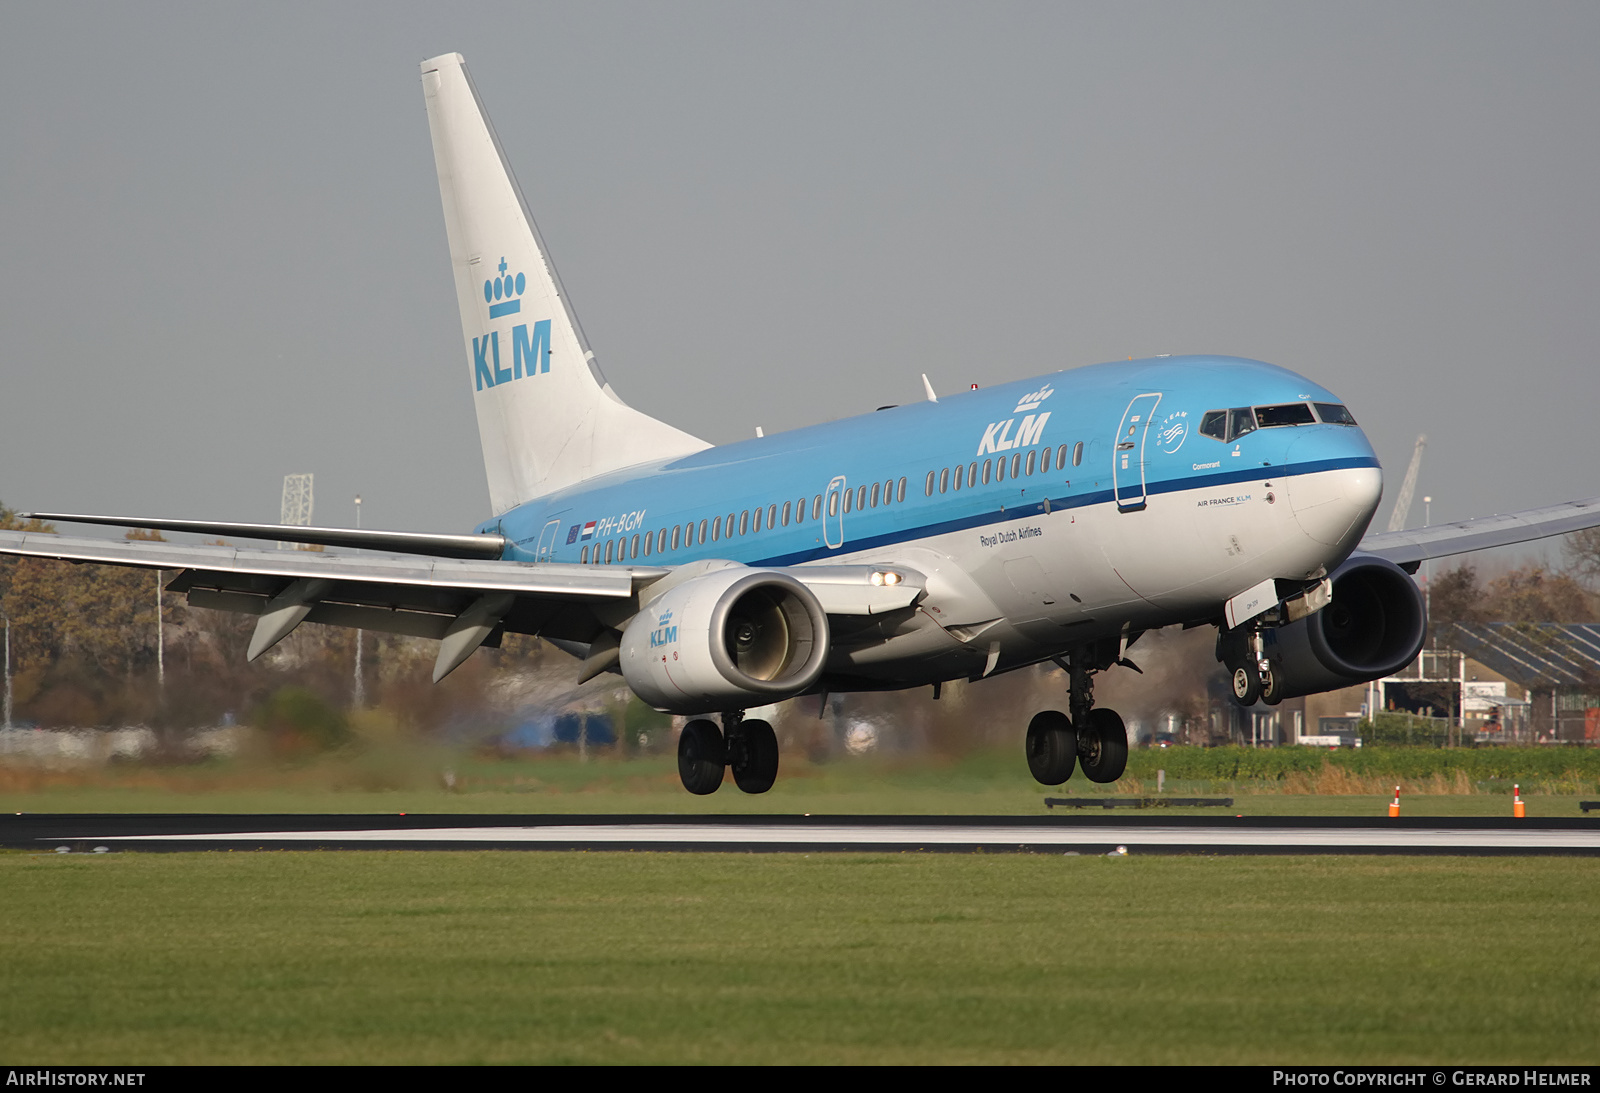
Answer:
(547, 540)
(1127, 455)
(833, 514)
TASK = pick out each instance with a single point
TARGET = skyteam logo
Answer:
(506, 289)
(997, 437)
(530, 355)
(1173, 431)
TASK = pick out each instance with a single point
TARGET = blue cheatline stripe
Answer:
(1037, 509)
(510, 307)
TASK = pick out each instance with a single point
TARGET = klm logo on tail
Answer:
(529, 355)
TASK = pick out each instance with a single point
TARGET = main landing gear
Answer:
(749, 747)
(1093, 738)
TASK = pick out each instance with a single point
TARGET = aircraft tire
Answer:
(1103, 745)
(702, 757)
(1052, 747)
(1272, 688)
(757, 768)
(1246, 686)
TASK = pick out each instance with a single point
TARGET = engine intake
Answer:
(1374, 626)
(728, 640)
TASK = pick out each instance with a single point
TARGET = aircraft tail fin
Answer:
(546, 415)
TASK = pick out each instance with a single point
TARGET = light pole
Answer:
(7, 617)
(361, 686)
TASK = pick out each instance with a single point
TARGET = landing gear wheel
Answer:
(1103, 745)
(755, 759)
(1246, 685)
(1272, 687)
(1052, 747)
(701, 757)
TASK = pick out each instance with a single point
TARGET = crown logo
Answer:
(506, 289)
(1031, 401)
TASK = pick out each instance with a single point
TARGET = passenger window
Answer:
(633, 548)
(583, 556)
(944, 479)
(676, 533)
(703, 532)
(1077, 453)
(849, 501)
(900, 494)
(1292, 413)
(1000, 469)
(874, 495)
(1031, 456)
(972, 474)
(816, 506)
(744, 522)
(928, 486)
(861, 499)
(728, 527)
(786, 510)
(1061, 458)
(958, 477)
(1215, 424)
(611, 546)
(1016, 466)
(988, 470)
(772, 516)
(1334, 414)
(888, 491)
(716, 529)
(1241, 420)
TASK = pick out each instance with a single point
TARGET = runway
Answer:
(1070, 834)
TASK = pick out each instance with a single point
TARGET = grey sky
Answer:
(224, 258)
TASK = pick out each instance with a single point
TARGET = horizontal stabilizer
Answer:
(394, 542)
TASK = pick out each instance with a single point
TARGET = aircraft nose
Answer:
(1334, 507)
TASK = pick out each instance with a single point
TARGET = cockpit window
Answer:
(1215, 424)
(1334, 414)
(1241, 420)
(1290, 413)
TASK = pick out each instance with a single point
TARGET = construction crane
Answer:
(1402, 501)
(296, 510)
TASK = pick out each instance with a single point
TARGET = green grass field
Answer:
(563, 957)
(996, 782)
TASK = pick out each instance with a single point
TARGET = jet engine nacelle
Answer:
(1374, 626)
(728, 640)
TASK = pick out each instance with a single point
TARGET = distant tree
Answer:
(1582, 552)
(1531, 594)
(1455, 596)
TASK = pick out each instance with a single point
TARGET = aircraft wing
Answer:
(1408, 549)
(459, 601)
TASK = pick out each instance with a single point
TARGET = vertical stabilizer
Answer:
(546, 416)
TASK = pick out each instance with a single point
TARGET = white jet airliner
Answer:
(1051, 520)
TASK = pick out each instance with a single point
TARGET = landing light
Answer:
(886, 577)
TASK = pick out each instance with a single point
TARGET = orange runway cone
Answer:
(1394, 805)
(1518, 809)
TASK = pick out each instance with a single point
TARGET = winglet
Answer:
(927, 389)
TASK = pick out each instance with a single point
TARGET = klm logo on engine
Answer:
(997, 437)
(530, 355)
(665, 633)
